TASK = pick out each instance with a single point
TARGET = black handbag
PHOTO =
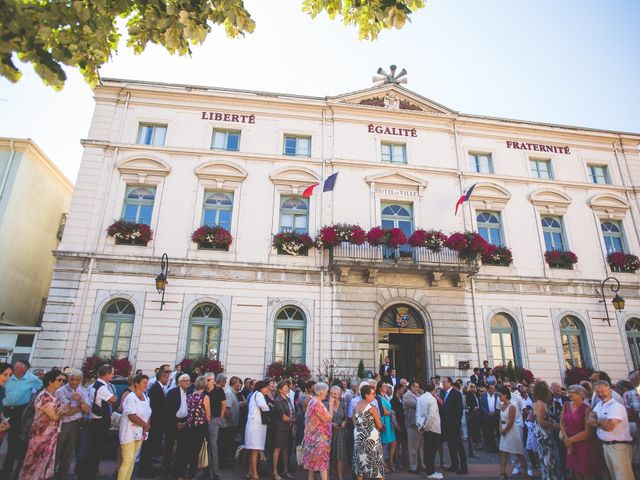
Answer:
(266, 417)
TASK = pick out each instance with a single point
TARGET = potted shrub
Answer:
(129, 233)
(121, 366)
(204, 364)
(212, 238)
(623, 262)
(560, 259)
(434, 240)
(292, 243)
(573, 376)
(500, 256)
(469, 245)
(294, 371)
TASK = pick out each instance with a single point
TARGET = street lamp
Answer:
(161, 279)
(617, 301)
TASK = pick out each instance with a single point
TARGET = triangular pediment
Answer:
(396, 178)
(392, 97)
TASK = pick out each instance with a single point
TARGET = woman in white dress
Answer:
(511, 441)
(134, 425)
(255, 433)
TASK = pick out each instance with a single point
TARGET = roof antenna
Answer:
(383, 77)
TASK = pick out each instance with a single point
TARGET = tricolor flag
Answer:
(464, 198)
(328, 185)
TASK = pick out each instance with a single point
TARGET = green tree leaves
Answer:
(83, 33)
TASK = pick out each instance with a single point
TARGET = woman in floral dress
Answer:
(545, 431)
(317, 433)
(368, 461)
(39, 462)
(339, 431)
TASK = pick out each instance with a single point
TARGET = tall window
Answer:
(294, 214)
(297, 146)
(481, 162)
(598, 174)
(504, 340)
(204, 332)
(116, 326)
(612, 233)
(489, 227)
(396, 215)
(289, 335)
(226, 140)
(217, 209)
(573, 342)
(149, 134)
(394, 152)
(553, 233)
(541, 169)
(138, 204)
(632, 328)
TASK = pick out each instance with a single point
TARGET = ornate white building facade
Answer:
(176, 157)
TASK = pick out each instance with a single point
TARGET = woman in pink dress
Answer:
(40, 459)
(316, 448)
(579, 438)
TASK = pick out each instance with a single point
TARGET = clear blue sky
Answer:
(573, 62)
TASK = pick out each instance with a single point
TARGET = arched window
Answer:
(397, 216)
(489, 227)
(574, 344)
(204, 332)
(290, 335)
(632, 328)
(504, 340)
(138, 204)
(553, 233)
(612, 233)
(294, 214)
(217, 209)
(116, 326)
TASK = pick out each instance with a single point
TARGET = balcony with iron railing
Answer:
(374, 259)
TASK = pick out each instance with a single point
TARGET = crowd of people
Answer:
(180, 426)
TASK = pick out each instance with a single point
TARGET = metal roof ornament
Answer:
(383, 77)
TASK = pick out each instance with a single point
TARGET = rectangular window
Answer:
(138, 204)
(226, 140)
(394, 152)
(217, 208)
(598, 174)
(541, 169)
(481, 162)
(294, 214)
(297, 146)
(149, 134)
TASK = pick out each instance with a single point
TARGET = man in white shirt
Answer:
(102, 402)
(176, 433)
(610, 420)
(428, 423)
(490, 408)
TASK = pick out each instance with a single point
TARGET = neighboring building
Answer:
(34, 197)
(175, 157)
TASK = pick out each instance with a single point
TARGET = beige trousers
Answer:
(618, 459)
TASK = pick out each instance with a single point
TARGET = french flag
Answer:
(328, 184)
(463, 198)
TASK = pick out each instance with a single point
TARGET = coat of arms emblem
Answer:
(402, 317)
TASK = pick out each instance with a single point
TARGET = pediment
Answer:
(396, 178)
(550, 201)
(489, 196)
(392, 97)
(609, 206)
(221, 171)
(145, 166)
(294, 176)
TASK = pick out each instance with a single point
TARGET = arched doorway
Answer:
(401, 337)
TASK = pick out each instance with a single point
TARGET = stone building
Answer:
(175, 157)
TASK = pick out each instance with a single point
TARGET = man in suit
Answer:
(391, 378)
(385, 367)
(153, 445)
(176, 411)
(490, 408)
(414, 437)
(476, 378)
(452, 426)
(484, 369)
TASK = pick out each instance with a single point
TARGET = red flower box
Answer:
(392, 238)
(129, 233)
(292, 243)
(469, 245)
(334, 235)
(217, 238)
(121, 366)
(434, 240)
(560, 259)
(203, 363)
(500, 256)
(623, 262)
(294, 371)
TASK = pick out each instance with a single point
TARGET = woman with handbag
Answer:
(134, 425)
(283, 420)
(255, 434)
(198, 416)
